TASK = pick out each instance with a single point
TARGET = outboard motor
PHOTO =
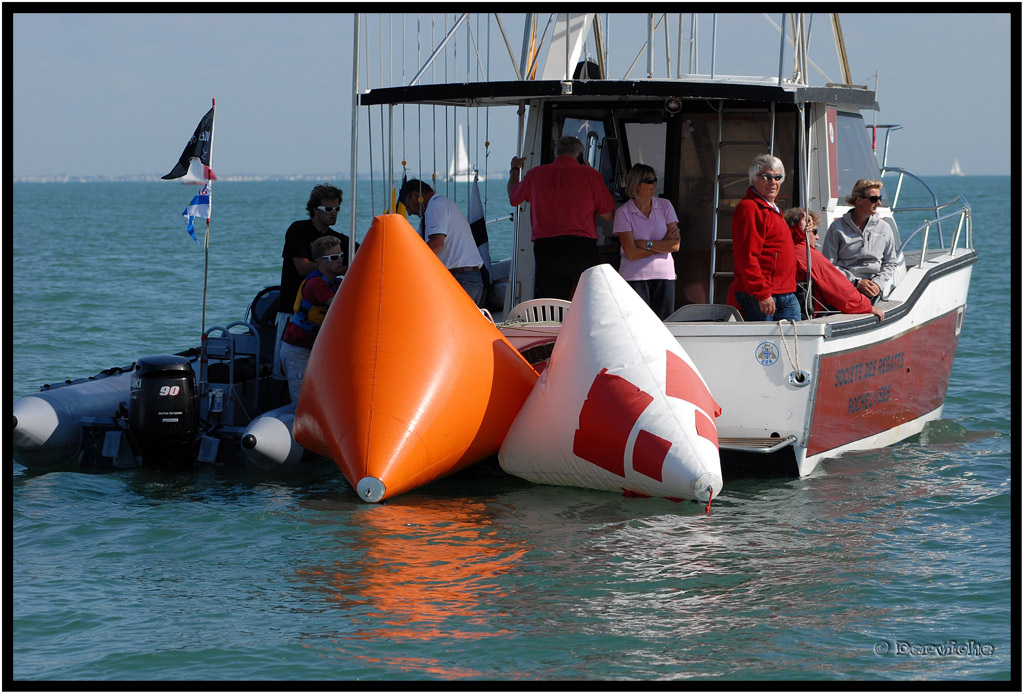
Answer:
(163, 412)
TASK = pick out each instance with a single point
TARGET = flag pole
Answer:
(206, 262)
(199, 146)
(206, 267)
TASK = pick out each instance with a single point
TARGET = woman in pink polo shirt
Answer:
(648, 232)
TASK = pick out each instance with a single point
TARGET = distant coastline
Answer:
(137, 178)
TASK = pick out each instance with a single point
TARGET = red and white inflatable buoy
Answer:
(621, 406)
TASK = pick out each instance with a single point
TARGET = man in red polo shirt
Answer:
(564, 196)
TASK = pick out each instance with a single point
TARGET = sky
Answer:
(103, 94)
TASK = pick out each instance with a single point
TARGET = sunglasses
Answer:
(332, 257)
(873, 198)
(329, 209)
(771, 177)
(651, 181)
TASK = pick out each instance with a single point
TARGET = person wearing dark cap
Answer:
(447, 233)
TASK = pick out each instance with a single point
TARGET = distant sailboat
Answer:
(955, 171)
(460, 170)
(198, 173)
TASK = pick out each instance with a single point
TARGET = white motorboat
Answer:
(791, 394)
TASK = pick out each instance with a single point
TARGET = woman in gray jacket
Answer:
(862, 245)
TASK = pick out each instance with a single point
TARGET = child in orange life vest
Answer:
(311, 303)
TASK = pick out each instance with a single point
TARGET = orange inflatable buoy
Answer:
(407, 381)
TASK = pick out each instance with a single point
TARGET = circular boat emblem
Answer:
(766, 353)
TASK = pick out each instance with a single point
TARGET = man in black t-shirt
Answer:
(323, 207)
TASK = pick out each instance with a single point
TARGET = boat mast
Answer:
(714, 42)
(844, 64)
(693, 44)
(782, 48)
(354, 153)
(599, 46)
(679, 48)
(804, 32)
(568, 71)
(650, 45)
(512, 297)
(524, 61)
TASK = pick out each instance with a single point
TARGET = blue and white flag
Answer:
(199, 207)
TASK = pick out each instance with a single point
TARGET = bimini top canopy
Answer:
(475, 94)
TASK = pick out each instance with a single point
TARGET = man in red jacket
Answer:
(830, 288)
(764, 266)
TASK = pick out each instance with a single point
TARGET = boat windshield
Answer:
(591, 134)
(854, 155)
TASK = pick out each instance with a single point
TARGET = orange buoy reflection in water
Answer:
(420, 572)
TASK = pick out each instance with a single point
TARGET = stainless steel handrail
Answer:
(899, 184)
(963, 216)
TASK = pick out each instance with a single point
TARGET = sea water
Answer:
(892, 564)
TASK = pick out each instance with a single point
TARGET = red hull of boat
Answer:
(872, 389)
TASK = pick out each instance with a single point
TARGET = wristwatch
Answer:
(650, 245)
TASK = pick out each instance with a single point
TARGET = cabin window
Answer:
(590, 133)
(599, 151)
(854, 157)
(647, 146)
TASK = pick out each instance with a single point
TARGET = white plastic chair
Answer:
(540, 311)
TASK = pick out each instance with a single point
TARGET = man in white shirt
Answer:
(447, 233)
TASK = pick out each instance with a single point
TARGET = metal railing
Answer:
(960, 210)
(963, 217)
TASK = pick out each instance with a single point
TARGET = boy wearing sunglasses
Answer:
(323, 207)
(313, 298)
(862, 245)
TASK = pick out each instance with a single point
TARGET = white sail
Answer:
(570, 29)
(955, 171)
(460, 170)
